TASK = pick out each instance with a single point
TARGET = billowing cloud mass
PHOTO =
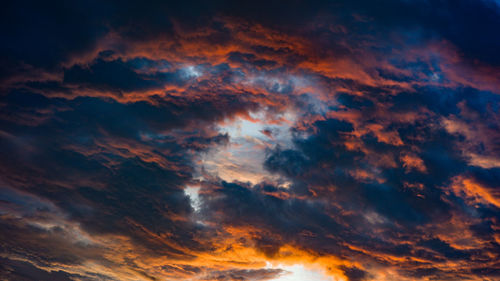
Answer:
(250, 140)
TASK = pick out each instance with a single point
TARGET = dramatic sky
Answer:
(250, 140)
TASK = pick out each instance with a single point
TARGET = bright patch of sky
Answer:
(194, 197)
(243, 157)
(191, 72)
(298, 272)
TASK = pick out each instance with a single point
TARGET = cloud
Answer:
(360, 138)
(232, 275)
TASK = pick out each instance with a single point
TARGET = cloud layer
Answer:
(229, 141)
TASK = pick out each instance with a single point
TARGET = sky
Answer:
(250, 140)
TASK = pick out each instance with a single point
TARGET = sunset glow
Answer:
(222, 140)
